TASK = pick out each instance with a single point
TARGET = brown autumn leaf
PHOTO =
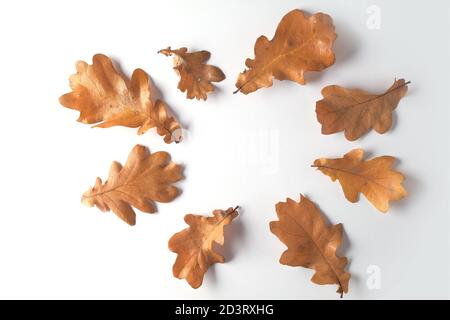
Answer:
(195, 75)
(355, 111)
(194, 245)
(104, 96)
(144, 179)
(301, 43)
(311, 242)
(374, 178)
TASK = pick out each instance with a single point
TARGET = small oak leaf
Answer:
(195, 75)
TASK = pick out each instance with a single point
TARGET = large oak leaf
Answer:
(104, 96)
(311, 242)
(301, 43)
(355, 111)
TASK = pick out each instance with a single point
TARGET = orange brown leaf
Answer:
(104, 96)
(374, 178)
(311, 242)
(195, 75)
(144, 179)
(355, 111)
(301, 43)
(194, 245)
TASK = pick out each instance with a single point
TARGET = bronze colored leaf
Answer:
(356, 111)
(311, 242)
(144, 179)
(195, 75)
(373, 178)
(194, 245)
(104, 96)
(301, 43)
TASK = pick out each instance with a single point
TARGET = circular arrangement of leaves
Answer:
(104, 97)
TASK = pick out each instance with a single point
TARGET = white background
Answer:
(251, 151)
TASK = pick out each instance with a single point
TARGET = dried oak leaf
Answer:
(194, 245)
(102, 94)
(373, 178)
(356, 111)
(311, 242)
(301, 43)
(144, 179)
(195, 75)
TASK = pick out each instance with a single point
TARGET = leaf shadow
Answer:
(117, 64)
(412, 186)
(234, 233)
(411, 91)
(210, 278)
(346, 44)
(344, 247)
(234, 230)
(217, 93)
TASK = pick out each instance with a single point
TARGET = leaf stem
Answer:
(234, 209)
